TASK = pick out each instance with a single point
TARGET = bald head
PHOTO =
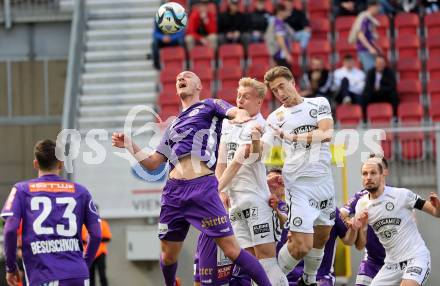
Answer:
(188, 84)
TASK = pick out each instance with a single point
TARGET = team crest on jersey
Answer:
(280, 115)
(297, 221)
(313, 113)
(389, 206)
(194, 112)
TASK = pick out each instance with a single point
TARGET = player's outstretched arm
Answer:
(360, 222)
(93, 243)
(351, 235)
(150, 161)
(233, 167)
(273, 203)
(432, 206)
(324, 133)
(237, 115)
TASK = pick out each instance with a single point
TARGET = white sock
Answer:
(273, 271)
(312, 261)
(285, 260)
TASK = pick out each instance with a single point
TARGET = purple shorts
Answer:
(367, 271)
(68, 282)
(194, 202)
(211, 267)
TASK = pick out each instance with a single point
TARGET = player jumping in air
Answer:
(190, 196)
(53, 211)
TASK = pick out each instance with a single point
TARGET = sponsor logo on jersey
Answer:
(389, 206)
(324, 109)
(224, 272)
(313, 113)
(414, 269)
(163, 228)
(222, 260)
(297, 221)
(386, 221)
(388, 233)
(244, 214)
(204, 271)
(332, 215)
(377, 204)
(214, 221)
(261, 228)
(304, 129)
(52, 187)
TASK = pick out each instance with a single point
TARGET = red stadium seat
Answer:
(432, 24)
(349, 115)
(407, 24)
(206, 75)
(168, 79)
(433, 47)
(409, 91)
(433, 69)
(228, 76)
(228, 94)
(343, 27)
(257, 71)
(344, 48)
(434, 91)
(231, 55)
(266, 109)
(169, 110)
(318, 9)
(258, 54)
(385, 45)
(409, 68)
(172, 57)
(383, 29)
(407, 47)
(320, 49)
(320, 28)
(380, 115)
(411, 143)
(202, 56)
(434, 117)
(168, 98)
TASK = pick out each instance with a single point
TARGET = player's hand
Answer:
(273, 202)
(256, 132)
(275, 181)
(360, 221)
(241, 116)
(435, 202)
(118, 139)
(276, 130)
(224, 197)
(12, 278)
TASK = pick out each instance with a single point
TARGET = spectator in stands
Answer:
(258, 21)
(161, 40)
(363, 32)
(317, 81)
(349, 82)
(298, 21)
(202, 26)
(431, 6)
(232, 24)
(380, 85)
(346, 8)
(278, 37)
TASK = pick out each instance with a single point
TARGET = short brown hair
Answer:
(44, 152)
(259, 87)
(276, 72)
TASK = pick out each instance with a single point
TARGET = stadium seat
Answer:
(380, 115)
(320, 28)
(231, 55)
(168, 79)
(343, 26)
(318, 9)
(433, 69)
(411, 143)
(296, 57)
(202, 56)
(169, 110)
(384, 28)
(206, 75)
(407, 24)
(172, 57)
(349, 115)
(168, 98)
(258, 54)
(320, 49)
(409, 68)
(433, 47)
(266, 109)
(228, 94)
(432, 24)
(385, 45)
(434, 117)
(407, 47)
(228, 76)
(344, 48)
(257, 71)
(434, 91)
(409, 91)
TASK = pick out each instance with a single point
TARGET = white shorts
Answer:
(255, 225)
(311, 202)
(417, 269)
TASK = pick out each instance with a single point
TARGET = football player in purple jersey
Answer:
(190, 197)
(52, 211)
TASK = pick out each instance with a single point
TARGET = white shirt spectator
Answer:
(355, 76)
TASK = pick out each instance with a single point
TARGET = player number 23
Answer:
(46, 203)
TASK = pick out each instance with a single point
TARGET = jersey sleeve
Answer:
(91, 215)
(164, 145)
(324, 109)
(350, 206)
(340, 227)
(410, 198)
(219, 106)
(12, 206)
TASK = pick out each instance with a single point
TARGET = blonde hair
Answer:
(259, 87)
(276, 72)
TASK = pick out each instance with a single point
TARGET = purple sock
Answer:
(169, 273)
(251, 265)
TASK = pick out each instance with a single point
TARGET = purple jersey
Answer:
(375, 252)
(52, 211)
(326, 270)
(367, 27)
(281, 30)
(196, 132)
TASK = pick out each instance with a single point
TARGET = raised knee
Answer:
(299, 250)
(168, 258)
